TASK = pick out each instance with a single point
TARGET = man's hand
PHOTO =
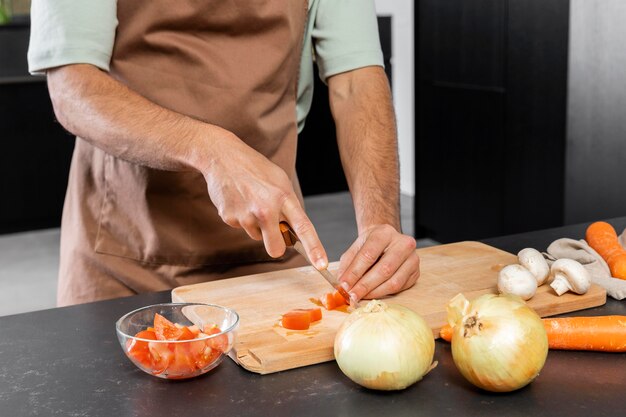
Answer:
(252, 193)
(380, 262)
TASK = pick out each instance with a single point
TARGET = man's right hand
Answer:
(252, 193)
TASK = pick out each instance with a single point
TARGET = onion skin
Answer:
(499, 344)
(384, 347)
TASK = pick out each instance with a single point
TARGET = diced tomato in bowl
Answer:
(178, 340)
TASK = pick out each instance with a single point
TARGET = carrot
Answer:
(446, 332)
(602, 237)
(599, 333)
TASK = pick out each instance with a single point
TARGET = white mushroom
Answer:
(515, 279)
(534, 261)
(569, 275)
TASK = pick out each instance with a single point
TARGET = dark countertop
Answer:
(67, 362)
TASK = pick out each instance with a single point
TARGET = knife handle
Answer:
(289, 236)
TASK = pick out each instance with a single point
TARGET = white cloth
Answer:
(580, 251)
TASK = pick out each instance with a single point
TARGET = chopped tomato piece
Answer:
(211, 329)
(138, 349)
(194, 329)
(296, 320)
(165, 329)
(162, 356)
(144, 358)
(220, 342)
(339, 300)
(195, 348)
(186, 334)
(332, 300)
(146, 334)
(202, 353)
(182, 363)
(316, 313)
(328, 301)
(301, 318)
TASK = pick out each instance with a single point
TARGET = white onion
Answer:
(498, 343)
(384, 347)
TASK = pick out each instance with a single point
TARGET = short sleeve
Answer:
(71, 32)
(345, 36)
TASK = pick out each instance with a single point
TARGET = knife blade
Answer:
(291, 239)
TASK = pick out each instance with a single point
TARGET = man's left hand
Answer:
(382, 261)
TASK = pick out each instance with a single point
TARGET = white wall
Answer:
(403, 76)
(595, 178)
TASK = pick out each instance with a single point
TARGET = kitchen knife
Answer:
(291, 239)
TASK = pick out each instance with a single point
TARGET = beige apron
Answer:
(233, 63)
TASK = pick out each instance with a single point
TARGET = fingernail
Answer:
(353, 298)
(321, 264)
(345, 286)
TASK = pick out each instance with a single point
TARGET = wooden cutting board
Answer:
(263, 346)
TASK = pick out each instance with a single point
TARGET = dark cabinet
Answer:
(491, 116)
(35, 159)
(36, 150)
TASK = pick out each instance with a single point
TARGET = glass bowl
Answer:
(213, 330)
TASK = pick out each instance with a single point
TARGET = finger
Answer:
(385, 269)
(273, 241)
(346, 259)
(367, 255)
(228, 216)
(405, 277)
(304, 229)
(251, 227)
(231, 221)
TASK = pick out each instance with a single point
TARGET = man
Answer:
(170, 100)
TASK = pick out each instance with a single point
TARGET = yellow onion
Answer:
(498, 343)
(384, 347)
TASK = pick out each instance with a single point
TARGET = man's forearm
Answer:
(366, 133)
(91, 104)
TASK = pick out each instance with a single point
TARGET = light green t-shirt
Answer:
(341, 34)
